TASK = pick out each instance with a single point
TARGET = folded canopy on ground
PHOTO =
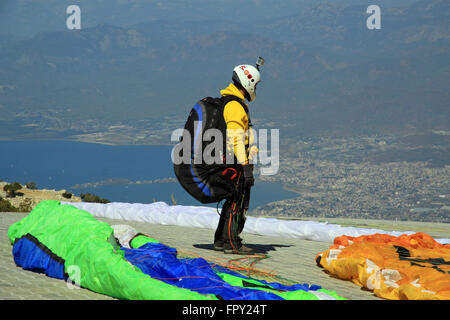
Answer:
(206, 217)
(413, 267)
(55, 239)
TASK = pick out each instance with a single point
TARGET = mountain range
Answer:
(325, 72)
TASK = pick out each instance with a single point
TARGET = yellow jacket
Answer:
(236, 119)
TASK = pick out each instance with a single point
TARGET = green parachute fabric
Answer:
(55, 237)
(82, 241)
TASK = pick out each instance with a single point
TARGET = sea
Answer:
(65, 164)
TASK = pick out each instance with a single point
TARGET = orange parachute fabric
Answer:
(408, 267)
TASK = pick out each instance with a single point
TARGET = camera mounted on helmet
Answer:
(259, 63)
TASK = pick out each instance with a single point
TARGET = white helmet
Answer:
(247, 76)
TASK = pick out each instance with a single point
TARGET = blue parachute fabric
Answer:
(31, 255)
(160, 262)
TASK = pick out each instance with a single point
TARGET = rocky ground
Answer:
(29, 198)
(285, 258)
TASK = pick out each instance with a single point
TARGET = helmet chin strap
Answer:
(245, 93)
(242, 90)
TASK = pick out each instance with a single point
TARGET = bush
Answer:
(31, 185)
(67, 195)
(5, 206)
(25, 206)
(88, 197)
(174, 201)
(12, 188)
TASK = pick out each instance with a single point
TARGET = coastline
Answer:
(55, 170)
(120, 181)
(435, 229)
(91, 141)
(291, 189)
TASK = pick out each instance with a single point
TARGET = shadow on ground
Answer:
(257, 248)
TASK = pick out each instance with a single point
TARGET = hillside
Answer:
(325, 72)
(14, 15)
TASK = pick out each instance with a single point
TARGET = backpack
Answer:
(208, 113)
(204, 180)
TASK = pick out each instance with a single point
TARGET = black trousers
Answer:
(231, 222)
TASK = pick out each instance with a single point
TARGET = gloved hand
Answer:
(249, 180)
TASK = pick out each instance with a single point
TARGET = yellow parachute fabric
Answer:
(408, 267)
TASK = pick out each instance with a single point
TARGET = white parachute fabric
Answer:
(124, 233)
(207, 217)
